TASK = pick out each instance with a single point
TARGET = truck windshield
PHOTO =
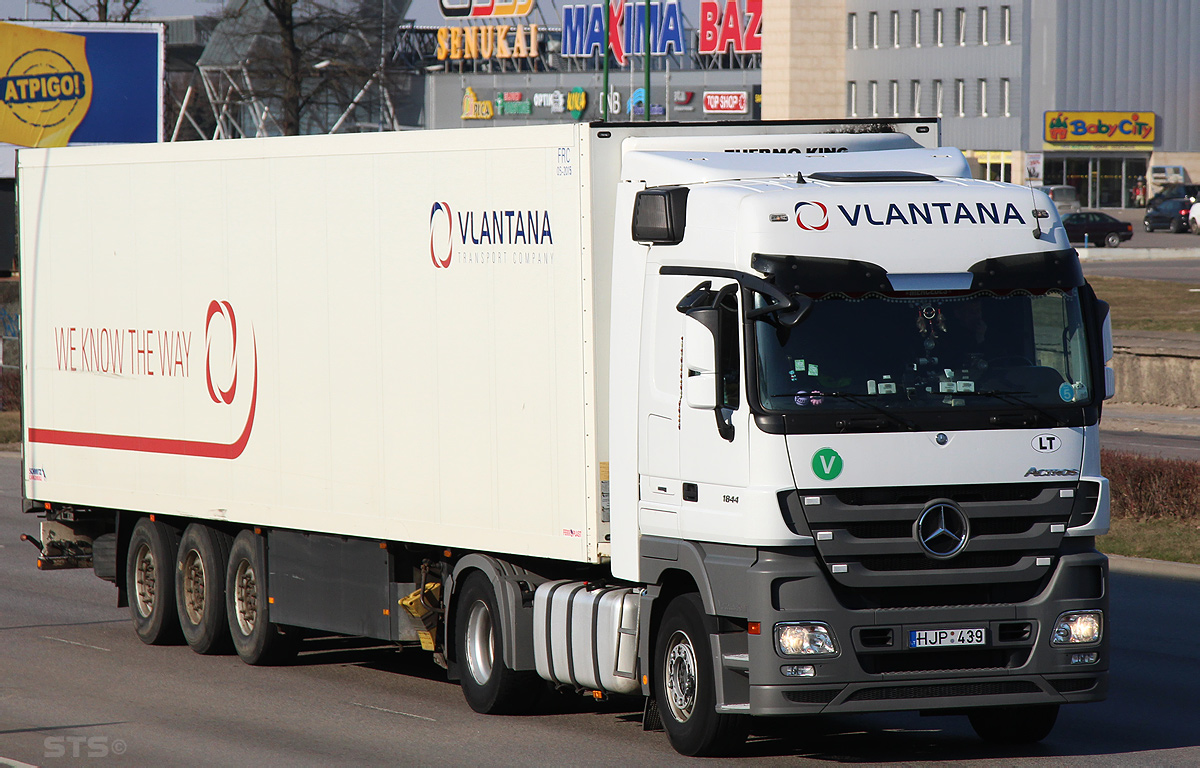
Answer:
(898, 358)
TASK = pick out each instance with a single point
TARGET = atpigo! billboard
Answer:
(79, 83)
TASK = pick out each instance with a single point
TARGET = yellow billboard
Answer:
(1066, 127)
(45, 86)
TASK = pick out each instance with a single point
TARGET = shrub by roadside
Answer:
(1155, 507)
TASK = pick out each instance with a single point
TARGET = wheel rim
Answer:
(145, 580)
(245, 597)
(681, 681)
(193, 586)
(481, 644)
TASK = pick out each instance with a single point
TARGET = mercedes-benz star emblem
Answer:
(942, 529)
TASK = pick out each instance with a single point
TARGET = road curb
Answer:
(1140, 566)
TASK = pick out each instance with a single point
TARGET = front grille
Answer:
(943, 661)
(876, 598)
(810, 697)
(923, 563)
(919, 494)
(1002, 688)
(869, 534)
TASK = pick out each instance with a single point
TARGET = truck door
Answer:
(696, 460)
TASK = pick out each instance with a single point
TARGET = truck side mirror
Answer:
(1106, 341)
(710, 350)
(700, 359)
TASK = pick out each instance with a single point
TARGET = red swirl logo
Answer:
(218, 393)
(441, 247)
(808, 219)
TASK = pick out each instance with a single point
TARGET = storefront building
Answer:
(522, 63)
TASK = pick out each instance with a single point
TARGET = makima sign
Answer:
(46, 87)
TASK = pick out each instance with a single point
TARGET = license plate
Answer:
(938, 638)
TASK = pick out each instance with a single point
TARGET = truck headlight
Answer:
(1078, 627)
(804, 638)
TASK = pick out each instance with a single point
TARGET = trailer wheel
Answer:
(684, 685)
(1014, 725)
(257, 641)
(200, 588)
(149, 576)
(488, 685)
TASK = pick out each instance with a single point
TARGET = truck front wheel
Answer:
(488, 685)
(257, 641)
(200, 588)
(1014, 725)
(684, 684)
(149, 578)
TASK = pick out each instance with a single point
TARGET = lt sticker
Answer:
(827, 464)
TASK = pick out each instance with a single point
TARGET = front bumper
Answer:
(874, 669)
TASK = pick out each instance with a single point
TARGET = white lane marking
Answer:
(8, 762)
(394, 712)
(72, 642)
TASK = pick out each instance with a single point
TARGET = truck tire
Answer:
(149, 569)
(684, 686)
(488, 685)
(1014, 725)
(200, 588)
(258, 642)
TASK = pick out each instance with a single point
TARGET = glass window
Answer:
(983, 112)
(938, 28)
(852, 99)
(895, 29)
(960, 98)
(1006, 23)
(852, 30)
(874, 21)
(904, 356)
(916, 98)
(873, 94)
(916, 29)
(895, 98)
(937, 98)
(960, 26)
(983, 24)
(1006, 96)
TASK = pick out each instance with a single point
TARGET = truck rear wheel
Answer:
(200, 588)
(149, 570)
(488, 684)
(683, 684)
(257, 641)
(1014, 725)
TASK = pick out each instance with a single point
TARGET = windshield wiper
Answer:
(1013, 398)
(860, 400)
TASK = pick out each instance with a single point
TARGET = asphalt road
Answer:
(78, 688)
(1162, 446)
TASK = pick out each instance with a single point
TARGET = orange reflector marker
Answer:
(152, 517)
(47, 505)
(446, 553)
(383, 545)
(258, 531)
(645, 679)
(271, 600)
(754, 628)
(598, 695)
(387, 612)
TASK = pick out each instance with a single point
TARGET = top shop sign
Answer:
(722, 26)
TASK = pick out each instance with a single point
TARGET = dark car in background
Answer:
(1190, 191)
(1095, 228)
(1171, 214)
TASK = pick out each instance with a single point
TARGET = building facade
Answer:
(1091, 93)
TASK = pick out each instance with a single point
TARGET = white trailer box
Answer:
(398, 336)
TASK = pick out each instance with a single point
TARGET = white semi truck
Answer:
(749, 420)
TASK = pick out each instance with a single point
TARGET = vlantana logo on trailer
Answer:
(489, 236)
(149, 356)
